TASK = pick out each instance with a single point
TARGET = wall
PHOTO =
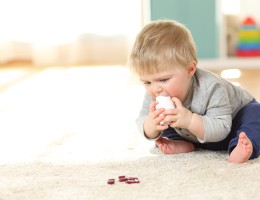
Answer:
(250, 8)
(198, 15)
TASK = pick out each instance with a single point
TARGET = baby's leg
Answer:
(242, 152)
(174, 146)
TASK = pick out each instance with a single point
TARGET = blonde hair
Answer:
(160, 45)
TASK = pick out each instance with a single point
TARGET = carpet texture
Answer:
(197, 175)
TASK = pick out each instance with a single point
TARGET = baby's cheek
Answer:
(151, 94)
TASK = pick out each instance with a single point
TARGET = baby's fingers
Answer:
(159, 114)
(152, 106)
(162, 127)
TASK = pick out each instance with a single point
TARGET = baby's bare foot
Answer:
(242, 151)
(174, 146)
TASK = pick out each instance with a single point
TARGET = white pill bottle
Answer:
(165, 102)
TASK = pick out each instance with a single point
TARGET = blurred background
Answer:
(65, 32)
(63, 67)
(46, 32)
(83, 32)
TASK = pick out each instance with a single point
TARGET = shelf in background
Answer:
(227, 63)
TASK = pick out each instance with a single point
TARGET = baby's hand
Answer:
(166, 103)
(152, 126)
(179, 117)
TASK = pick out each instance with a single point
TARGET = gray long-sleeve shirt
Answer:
(212, 97)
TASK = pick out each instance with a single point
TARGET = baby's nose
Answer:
(157, 91)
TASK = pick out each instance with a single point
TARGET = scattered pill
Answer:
(130, 181)
(123, 179)
(132, 178)
(127, 180)
(111, 181)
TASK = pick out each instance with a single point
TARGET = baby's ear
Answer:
(192, 68)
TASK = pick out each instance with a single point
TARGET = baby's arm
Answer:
(196, 126)
(184, 118)
(207, 128)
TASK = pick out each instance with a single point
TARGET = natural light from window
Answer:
(230, 6)
(49, 21)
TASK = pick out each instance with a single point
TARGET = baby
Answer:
(206, 111)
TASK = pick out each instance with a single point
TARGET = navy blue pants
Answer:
(247, 120)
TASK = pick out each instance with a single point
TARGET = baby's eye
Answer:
(147, 82)
(164, 80)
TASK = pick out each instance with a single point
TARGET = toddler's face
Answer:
(174, 82)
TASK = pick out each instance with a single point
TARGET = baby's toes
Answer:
(164, 149)
(245, 142)
(248, 146)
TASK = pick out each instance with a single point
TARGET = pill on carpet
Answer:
(128, 180)
(132, 178)
(123, 179)
(111, 181)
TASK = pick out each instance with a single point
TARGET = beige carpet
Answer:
(198, 175)
(65, 131)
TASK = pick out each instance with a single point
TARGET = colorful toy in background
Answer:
(248, 39)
